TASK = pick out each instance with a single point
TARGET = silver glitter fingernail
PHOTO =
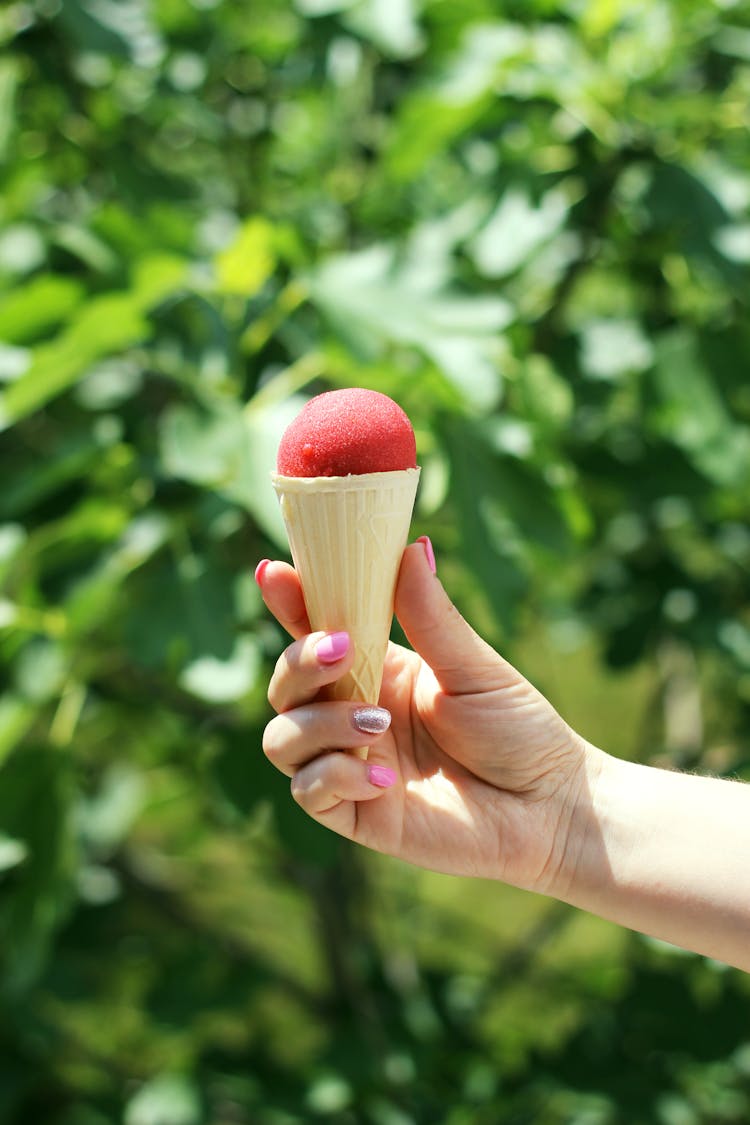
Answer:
(371, 720)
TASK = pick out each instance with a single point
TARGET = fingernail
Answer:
(260, 569)
(371, 720)
(332, 648)
(425, 541)
(381, 776)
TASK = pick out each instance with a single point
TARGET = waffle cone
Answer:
(347, 536)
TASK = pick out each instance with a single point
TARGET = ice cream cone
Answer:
(347, 536)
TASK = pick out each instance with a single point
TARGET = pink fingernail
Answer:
(332, 648)
(425, 541)
(371, 720)
(381, 776)
(260, 570)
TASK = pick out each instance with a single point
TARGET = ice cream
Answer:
(346, 476)
(347, 432)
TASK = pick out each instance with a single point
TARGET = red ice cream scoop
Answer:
(347, 432)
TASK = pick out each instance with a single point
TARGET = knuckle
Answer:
(273, 694)
(269, 739)
(300, 792)
(290, 674)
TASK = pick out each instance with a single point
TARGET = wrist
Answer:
(663, 853)
(584, 856)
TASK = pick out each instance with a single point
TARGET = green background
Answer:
(530, 223)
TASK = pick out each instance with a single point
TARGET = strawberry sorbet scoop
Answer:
(347, 432)
(346, 478)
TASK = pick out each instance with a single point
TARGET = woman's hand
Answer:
(474, 774)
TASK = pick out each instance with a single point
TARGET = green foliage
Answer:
(529, 223)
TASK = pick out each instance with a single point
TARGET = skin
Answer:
(484, 778)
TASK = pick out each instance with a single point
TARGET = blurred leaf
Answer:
(247, 263)
(71, 458)
(12, 540)
(390, 24)
(12, 852)
(733, 40)
(41, 304)
(168, 1099)
(85, 245)
(223, 681)
(612, 348)
(10, 72)
(516, 230)
(546, 395)
(683, 204)
(367, 299)
(693, 415)
(105, 818)
(16, 717)
(494, 563)
(106, 324)
(156, 277)
(180, 615)
(207, 449)
(734, 242)
(14, 362)
(41, 667)
(426, 124)
(97, 592)
(121, 28)
(233, 452)
(35, 792)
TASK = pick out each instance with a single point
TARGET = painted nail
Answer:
(371, 720)
(260, 570)
(332, 648)
(425, 541)
(381, 776)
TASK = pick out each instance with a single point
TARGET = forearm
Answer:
(667, 854)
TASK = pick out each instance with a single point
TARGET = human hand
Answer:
(476, 774)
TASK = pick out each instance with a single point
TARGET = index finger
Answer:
(282, 593)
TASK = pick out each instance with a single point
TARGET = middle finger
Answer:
(296, 737)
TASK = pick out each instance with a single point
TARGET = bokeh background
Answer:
(529, 222)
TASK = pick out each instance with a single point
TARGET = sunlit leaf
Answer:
(693, 414)
(105, 325)
(16, 717)
(366, 298)
(612, 348)
(391, 25)
(223, 681)
(246, 264)
(12, 852)
(10, 72)
(516, 230)
(168, 1099)
(232, 452)
(105, 818)
(41, 304)
(123, 28)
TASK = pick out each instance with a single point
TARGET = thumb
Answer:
(461, 661)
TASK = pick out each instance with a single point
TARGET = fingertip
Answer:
(260, 571)
(415, 564)
(332, 647)
(382, 777)
(417, 579)
(429, 552)
(282, 593)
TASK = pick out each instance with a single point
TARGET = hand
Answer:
(477, 774)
